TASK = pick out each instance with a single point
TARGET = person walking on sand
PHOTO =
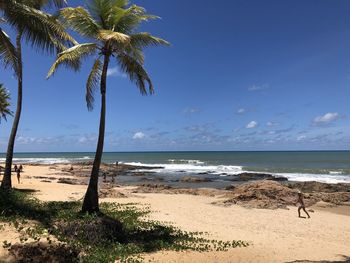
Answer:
(302, 204)
(15, 167)
(20, 167)
(18, 176)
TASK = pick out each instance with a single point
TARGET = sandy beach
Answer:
(274, 235)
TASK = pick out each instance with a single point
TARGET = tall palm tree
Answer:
(43, 32)
(112, 25)
(4, 103)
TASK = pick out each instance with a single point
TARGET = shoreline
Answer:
(276, 233)
(322, 166)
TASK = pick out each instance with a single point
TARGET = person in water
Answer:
(302, 204)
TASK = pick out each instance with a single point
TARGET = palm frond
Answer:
(101, 11)
(121, 3)
(136, 73)
(7, 51)
(38, 4)
(72, 57)
(80, 20)
(54, 3)
(145, 39)
(4, 103)
(38, 27)
(131, 19)
(115, 37)
(136, 53)
(92, 83)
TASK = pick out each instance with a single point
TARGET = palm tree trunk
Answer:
(6, 182)
(90, 203)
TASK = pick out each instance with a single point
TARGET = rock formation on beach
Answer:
(272, 195)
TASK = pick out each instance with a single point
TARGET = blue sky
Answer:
(240, 75)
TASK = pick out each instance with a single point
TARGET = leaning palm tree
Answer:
(4, 103)
(112, 25)
(43, 32)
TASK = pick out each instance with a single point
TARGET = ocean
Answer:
(322, 166)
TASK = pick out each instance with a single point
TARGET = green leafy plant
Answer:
(119, 231)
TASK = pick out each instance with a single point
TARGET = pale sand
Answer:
(274, 235)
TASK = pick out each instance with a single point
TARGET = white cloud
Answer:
(190, 110)
(114, 72)
(301, 137)
(87, 139)
(241, 111)
(259, 87)
(271, 124)
(25, 140)
(138, 135)
(251, 125)
(327, 118)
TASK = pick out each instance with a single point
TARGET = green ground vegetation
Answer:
(59, 231)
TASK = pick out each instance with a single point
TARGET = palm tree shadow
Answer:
(28, 191)
(345, 259)
(107, 228)
(94, 230)
(40, 252)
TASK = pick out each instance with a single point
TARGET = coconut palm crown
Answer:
(112, 26)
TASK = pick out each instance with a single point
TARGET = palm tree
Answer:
(40, 29)
(112, 25)
(4, 103)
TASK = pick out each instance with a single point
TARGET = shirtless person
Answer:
(18, 175)
(302, 204)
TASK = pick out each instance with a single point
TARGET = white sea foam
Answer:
(46, 160)
(193, 168)
(223, 170)
(323, 178)
(185, 161)
(335, 172)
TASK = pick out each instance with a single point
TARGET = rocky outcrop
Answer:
(70, 181)
(309, 187)
(261, 194)
(272, 195)
(193, 179)
(166, 189)
(247, 176)
(111, 193)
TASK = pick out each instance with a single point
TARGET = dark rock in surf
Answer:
(256, 176)
(309, 187)
(192, 179)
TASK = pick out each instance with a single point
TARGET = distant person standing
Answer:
(302, 204)
(15, 167)
(18, 176)
(20, 167)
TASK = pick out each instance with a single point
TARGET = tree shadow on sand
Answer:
(118, 231)
(343, 260)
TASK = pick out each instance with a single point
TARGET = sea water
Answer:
(322, 166)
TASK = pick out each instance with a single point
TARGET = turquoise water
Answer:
(325, 166)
